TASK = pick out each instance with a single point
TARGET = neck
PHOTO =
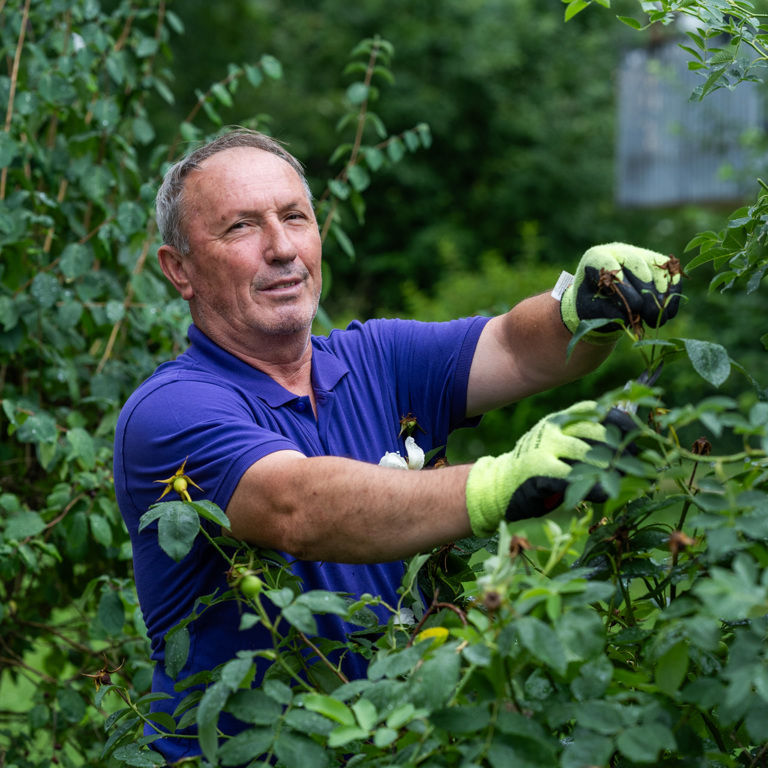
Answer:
(285, 358)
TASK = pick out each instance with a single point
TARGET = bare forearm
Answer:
(536, 332)
(341, 510)
(524, 352)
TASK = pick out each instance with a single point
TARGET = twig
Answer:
(14, 82)
(321, 656)
(433, 607)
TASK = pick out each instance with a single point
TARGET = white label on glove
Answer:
(565, 279)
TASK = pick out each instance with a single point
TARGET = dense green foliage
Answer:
(633, 633)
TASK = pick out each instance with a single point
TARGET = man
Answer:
(284, 431)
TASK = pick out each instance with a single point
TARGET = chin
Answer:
(288, 326)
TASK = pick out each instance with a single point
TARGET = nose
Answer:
(278, 246)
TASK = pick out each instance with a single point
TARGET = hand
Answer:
(531, 480)
(622, 282)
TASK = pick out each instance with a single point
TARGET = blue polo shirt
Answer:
(221, 415)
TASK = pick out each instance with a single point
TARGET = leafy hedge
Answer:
(630, 633)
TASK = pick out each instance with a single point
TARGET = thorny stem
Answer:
(128, 298)
(217, 547)
(433, 607)
(146, 720)
(14, 82)
(321, 656)
(680, 523)
(358, 139)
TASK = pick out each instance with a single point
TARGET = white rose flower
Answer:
(396, 461)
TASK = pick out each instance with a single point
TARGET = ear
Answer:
(174, 268)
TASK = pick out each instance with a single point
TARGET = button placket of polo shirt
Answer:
(325, 402)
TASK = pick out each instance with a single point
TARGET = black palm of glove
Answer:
(622, 282)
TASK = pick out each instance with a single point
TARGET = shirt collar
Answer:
(327, 369)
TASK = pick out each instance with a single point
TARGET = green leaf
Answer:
(366, 714)
(211, 511)
(237, 672)
(587, 748)
(222, 94)
(147, 46)
(176, 651)
(411, 139)
(339, 189)
(111, 612)
(134, 755)
(253, 75)
(174, 22)
(273, 69)
(71, 705)
(45, 289)
(282, 597)
(300, 617)
(131, 217)
(83, 448)
(177, 529)
(374, 158)
(213, 115)
(582, 632)
(425, 134)
(630, 22)
(643, 743)
(178, 526)
(357, 93)
(329, 707)
(342, 238)
(395, 150)
(358, 177)
(603, 717)
(671, 669)
(300, 752)
(246, 746)
(207, 718)
(9, 314)
(542, 642)
(461, 719)
(38, 428)
(344, 734)
(23, 525)
(321, 601)
(574, 7)
(253, 706)
(709, 360)
(584, 327)
(8, 150)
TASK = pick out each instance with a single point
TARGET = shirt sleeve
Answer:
(432, 362)
(205, 426)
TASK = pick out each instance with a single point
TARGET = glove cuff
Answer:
(571, 320)
(484, 505)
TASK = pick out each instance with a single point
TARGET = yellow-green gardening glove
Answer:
(531, 480)
(622, 282)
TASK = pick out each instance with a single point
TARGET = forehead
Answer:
(242, 171)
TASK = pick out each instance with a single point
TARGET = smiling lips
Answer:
(282, 285)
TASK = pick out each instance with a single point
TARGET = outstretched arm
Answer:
(335, 509)
(342, 510)
(523, 352)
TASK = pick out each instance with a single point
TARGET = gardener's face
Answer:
(253, 267)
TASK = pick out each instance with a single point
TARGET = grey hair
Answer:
(170, 208)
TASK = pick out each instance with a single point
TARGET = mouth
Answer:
(282, 285)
